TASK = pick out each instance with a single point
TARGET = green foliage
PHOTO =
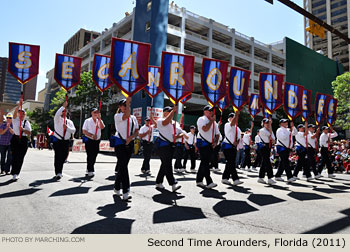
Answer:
(39, 120)
(341, 89)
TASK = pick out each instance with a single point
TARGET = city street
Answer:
(36, 203)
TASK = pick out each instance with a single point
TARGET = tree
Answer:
(341, 89)
(39, 120)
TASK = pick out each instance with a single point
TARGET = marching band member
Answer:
(257, 162)
(179, 148)
(232, 131)
(60, 142)
(146, 136)
(205, 145)
(325, 139)
(191, 148)
(267, 137)
(92, 131)
(311, 151)
(127, 129)
(301, 151)
(246, 144)
(165, 147)
(284, 144)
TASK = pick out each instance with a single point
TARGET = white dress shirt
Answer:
(311, 141)
(145, 129)
(181, 139)
(325, 137)
(208, 136)
(230, 132)
(90, 126)
(300, 139)
(16, 123)
(192, 138)
(121, 125)
(265, 135)
(284, 137)
(246, 138)
(257, 139)
(168, 130)
(58, 124)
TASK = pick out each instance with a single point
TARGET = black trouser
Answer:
(6, 158)
(123, 153)
(325, 161)
(179, 151)
(302, 163)
(230, 167)
(257, 162)
(92, 148)
(147, 154)
(247, 158)
(284, 165)
(311, 153)
(166, 169)
(214, 161)
(19, 149)
(61, 148)
(266, 166)
(204, 170)
(192, 153)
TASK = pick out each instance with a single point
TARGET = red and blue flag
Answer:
(254, 105)
(100, 71)
(238, 87)
(306, 104)
(293, 96)
(331, 110)
(224, 102)
(320, 107)
(153, 86)
(67, 70)
(270, 90)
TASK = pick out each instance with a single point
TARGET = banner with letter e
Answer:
(293, 95)
(270, 90)
(238, 87)
(67, 70)
(331, 110)
(320, 105)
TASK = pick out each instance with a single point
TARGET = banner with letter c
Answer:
(213, 81)
(153, 86)
(254, 105)
(238, 87)
(67, 70)
(23, 61)
(293, 95)
(320, 107)
(177, 75)
(129, 65)
(100, 71)
(331, 110)
(306, 104)
(270, 90)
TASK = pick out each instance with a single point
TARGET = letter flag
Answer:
(293, 95)
(254, 105)
(320, 104)
(67, 70)
(100, 71)
(238, 87)
(306, 104)
(153, 86)
(331, 111)
(270, 90)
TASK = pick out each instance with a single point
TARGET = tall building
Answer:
(79, 40)
(335, 13)
(10, 88)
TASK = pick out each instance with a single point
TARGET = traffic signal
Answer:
(316, 29)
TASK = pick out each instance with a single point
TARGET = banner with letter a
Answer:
(213, 82)
(129, 65)
(100, 71)
(177, 75)
(293, 95)
(67, 70)
(153, 86)
(254, 105)
(238, 87)
(331, 110)
(270, 90)
(23, 61)
(306, 104)
(320, 105)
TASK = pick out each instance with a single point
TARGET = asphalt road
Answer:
(38, 204)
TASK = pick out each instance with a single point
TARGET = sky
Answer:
(51, 23)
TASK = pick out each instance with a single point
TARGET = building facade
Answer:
(334, 13)
(79, 40)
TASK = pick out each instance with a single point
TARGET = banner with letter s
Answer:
(320, 105)
(306, 104)
(254, 105)
(153, 86)
(67, 70)
(100, 71)
(270, 90)
(129, 65)
(177, 75)
(293, 95)
(238, 87)
(23, 61)
(331, 110)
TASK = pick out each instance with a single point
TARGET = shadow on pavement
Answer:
(7, 182)
(240, 189)
(277, 187)
(104, 188)
(306, 196)
(167, 197)
(143, 183)
(340, 187)
(37, 183)
(264, 199)
(24, 192)
(177, 213)
(212, 193)
(233, 207)
(329, 190)
(111, 178)
(71, 191)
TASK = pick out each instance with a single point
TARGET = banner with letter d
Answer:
(270, 90)
(293, 95)
(67, 70)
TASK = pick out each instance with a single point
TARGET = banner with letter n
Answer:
(129, 65)
(270, 90)
(67, 70)
(320, 105)
(100, 71)
(224, 102)
(213, 82)
(306, 104)
(293, 95)
(153, 86)
(254, 105)
(331, 110)
(177, 75)
(238, 87)
(23, 61)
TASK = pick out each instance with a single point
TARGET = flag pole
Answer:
(65, 115)
(21, 112)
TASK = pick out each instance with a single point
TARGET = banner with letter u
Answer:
(23, 61)
(238, 87)
(254, 105)
(129, 65)
(293, 95)
(67, 70)
(177, 75)
(306, 104)
(331, 110)
(270, 90)
(100, 71)
(213, 82)
(153, 86)
(320, 105)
